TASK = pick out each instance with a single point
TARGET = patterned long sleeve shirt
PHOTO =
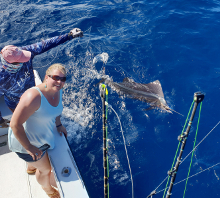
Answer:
(13, 85)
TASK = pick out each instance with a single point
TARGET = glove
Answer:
(76, 32)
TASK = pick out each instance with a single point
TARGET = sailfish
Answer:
(150, 93)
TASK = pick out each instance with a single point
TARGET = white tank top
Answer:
(39, 126)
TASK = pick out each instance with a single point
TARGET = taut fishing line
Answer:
(52, 55)
(200, 142)
(185, 159)
(89, 29)
(190, 176)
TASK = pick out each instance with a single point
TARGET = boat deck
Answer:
(15, 182)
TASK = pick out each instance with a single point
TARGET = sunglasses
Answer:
(56, 78)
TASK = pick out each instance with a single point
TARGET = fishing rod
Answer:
(104, 97)
(198, 97)
(105, 105)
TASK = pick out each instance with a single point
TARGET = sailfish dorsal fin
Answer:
(155, 87)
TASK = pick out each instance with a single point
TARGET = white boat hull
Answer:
(62, 159)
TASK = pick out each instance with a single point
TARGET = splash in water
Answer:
(101, 57)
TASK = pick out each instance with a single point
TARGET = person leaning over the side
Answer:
(32, 124)
(16, 70)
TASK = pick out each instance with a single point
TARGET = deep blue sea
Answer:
(175, 42)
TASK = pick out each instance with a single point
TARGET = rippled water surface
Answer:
(175, 42)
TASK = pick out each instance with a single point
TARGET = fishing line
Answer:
(193, 149)
(197, 173)
(123, 70)
(61, 44)
(99, 51)
(200, 142)
(89, 29)
(178, 147)
(161, 183)
(125, 149)
(141, 84)
(185, 159)
(191, 176)
(54, 57)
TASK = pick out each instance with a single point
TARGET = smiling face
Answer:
(54, 83)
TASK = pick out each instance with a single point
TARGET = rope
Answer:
(193, 149)
(125, 150)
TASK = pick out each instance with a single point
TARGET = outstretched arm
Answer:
(45, 45)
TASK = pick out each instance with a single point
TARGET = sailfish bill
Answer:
(150, 93)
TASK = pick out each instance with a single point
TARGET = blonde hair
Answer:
(56, 66)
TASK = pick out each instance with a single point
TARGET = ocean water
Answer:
(175, 42)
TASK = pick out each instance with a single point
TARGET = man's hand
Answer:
(76, 32)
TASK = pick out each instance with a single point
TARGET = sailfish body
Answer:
(151, 93)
